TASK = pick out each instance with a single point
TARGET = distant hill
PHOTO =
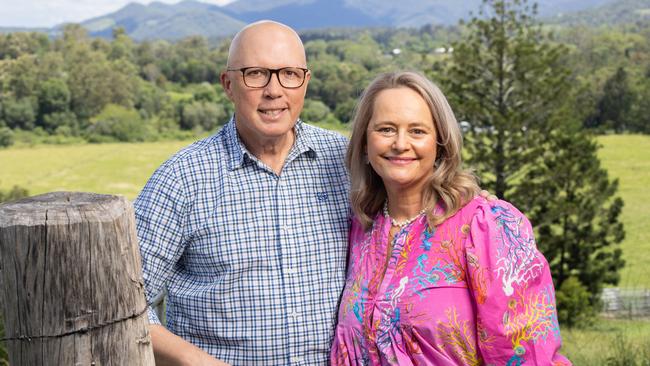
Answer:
(166, 21)
(615, 13)
(174, 21)
(309, 14)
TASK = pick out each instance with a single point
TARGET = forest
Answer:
(77, 88)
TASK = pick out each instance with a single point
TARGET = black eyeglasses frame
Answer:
(271, 72)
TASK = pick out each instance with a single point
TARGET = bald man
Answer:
(247, 229)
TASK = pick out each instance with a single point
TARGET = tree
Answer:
(314, 111)
(116, 122)
(19, 113)
(508, 82)
(640, 115)
(571, 201)
(54, 96)
(202, 115)
(613, 108)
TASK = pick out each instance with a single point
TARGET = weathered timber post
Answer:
(71, 284)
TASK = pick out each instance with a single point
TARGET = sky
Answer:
(48, 13)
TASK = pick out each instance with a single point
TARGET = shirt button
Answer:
(296, 359)
(291, 270)
(285, 228)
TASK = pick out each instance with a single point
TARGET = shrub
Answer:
(314, 111)
(14, 193)
(202, 115)
(118, 123)
(6, 137)
(19, 113)
(573, 304)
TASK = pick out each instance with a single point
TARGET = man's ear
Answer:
(226, 83)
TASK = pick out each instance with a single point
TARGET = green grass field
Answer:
(124, 169)
(104, 168)
(611, 342)
(627, 158)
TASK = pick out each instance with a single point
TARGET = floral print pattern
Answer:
(472, 291)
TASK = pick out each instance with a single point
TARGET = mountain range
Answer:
(190, 17)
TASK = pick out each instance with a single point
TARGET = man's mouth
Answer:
(272, 112)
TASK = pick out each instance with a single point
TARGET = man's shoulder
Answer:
(209, 148)
(325, 138)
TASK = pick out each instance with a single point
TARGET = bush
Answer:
(118, 123)
(343, 111)
(624, 353)
(54, 121)
(314, 111)
(6, 137)
(573, 304)
(202, 115)
(19, 113)
(14, 193)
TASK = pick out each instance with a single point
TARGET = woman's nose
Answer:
(400, 142)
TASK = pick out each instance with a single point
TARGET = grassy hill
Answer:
(124, 169)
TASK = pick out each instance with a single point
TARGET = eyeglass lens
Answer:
(289, 77)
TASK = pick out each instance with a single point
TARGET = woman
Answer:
(436, 275)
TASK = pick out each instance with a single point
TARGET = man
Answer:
(247, 229)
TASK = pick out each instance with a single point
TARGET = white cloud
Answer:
(48, 13)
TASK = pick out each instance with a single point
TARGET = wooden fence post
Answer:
(71, 283)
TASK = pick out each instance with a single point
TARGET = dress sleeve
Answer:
(512, 289)
(159, 217)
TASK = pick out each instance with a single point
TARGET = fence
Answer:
(626, 302)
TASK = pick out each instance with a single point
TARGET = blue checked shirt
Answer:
(253, 262)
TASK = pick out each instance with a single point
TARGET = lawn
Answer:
(610, 342)
(103, 168)
(124, 169)
(627, 157)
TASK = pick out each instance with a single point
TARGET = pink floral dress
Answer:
(473, 291)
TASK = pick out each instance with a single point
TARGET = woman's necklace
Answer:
(401, 224)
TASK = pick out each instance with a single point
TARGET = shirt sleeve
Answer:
(512, 288)
(159, 214)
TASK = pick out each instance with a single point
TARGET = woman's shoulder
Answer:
(482, 211)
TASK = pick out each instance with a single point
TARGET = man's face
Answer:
(270, 112)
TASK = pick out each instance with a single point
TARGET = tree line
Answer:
(78, 88)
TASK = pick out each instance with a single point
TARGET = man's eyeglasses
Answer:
(259, 77)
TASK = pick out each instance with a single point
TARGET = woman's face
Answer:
(401, 139)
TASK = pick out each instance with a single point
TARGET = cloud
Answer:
(48, 13)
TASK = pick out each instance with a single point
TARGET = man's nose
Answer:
(273, 89)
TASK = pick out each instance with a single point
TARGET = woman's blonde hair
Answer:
(448, 183)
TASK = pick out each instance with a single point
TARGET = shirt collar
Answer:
(305, 144)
